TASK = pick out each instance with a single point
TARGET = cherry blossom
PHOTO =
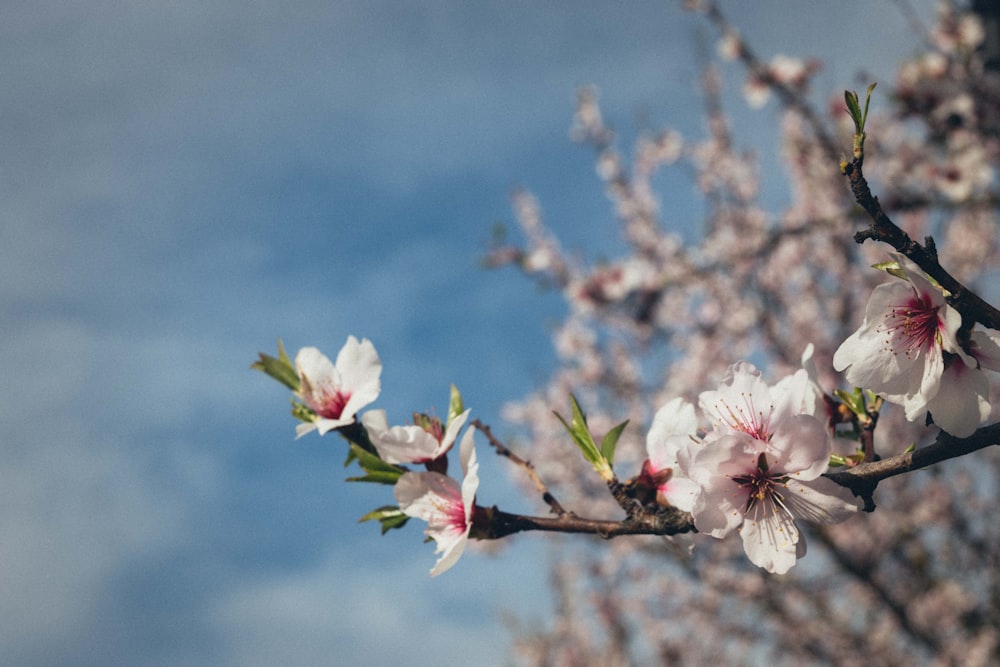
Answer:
(759, 468)
(674, 427)
(335, 392)
(443, 503)
(410, 444)
(907, 350)
(744, 403)
(761, 488)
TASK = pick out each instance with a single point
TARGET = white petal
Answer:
(771, 541)
(423, 495)
(360, 369)
(962, 405)
(315, 372)
(676, 417)
(819, 501)
(470, 471)
(451, 432)
(681, 492)
(453, 550)
(986, 349)
(375, 421)
(800, 447)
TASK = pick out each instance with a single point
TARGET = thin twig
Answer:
(529, 468)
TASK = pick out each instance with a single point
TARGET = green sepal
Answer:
(455, 405)
(280, 367)
(389, 516)
(578, 430)
(892, 268)
(303, 412)
(378, 471)
(610, 441)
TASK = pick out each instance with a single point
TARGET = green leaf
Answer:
(859, 118)
(854, 401)
(280, 368)
(578, 430)
(455, 405)
(389, 516)
(868, 99)
(378, 471)
(610, 441)
(853, 108)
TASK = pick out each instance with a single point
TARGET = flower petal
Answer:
(963, 403)
(771, 540)
(820, 501)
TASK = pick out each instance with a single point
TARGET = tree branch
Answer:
(964, 300)
(863, 478)
(492, 524)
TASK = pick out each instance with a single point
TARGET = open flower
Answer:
(410, 444)
(674, 428)
(963, 403)
(761, 488)
(335, 392)
(903, 349)
(759, 468)
(443, 503)
(745, 403)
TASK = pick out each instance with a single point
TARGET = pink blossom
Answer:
(443, 503)
(335, 392)
(674, 427)
(761, 488)
(410, 444)
(906, 350)
(759, 468)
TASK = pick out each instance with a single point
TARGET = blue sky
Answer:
(183, 182)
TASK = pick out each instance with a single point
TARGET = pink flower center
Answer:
(331, 405)
(451, 512)
(747, 418)
(913, 327)
(761, 487)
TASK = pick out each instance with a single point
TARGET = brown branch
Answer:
(863, 479)
(964, 300)
(493, 523)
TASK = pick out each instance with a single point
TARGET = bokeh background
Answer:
(184, 182)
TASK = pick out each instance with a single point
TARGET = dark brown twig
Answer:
(862, 479)
(965, 301)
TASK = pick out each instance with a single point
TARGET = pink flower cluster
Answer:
(756, 470)
(336, 392)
